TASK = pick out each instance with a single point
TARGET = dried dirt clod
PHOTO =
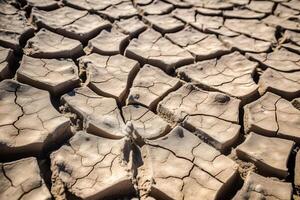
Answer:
(7, 9)
(202, 46)
(179, 3)
(164, 23)
(70, 22)
(46, 44)
(272, 115)
(243, 14)
(285, 22)
(125, 9)
(43, 5)
(269, 154)
(110, 76)
(29, 123)
(92, 167)
(219, 133)
(100, 115)
(150, 86)
(231, 74)
(246, 44)
(92, 5)
(132, 26)
(259, 187)
(292, 4)
(151, 48)
(6, 56)
(145, 122)
(182, 166)
(284, 84)
(156, 7)
(53, 75)
(21, 179)
(14, 30)
(282, 11)
(292, 36)
(261, 6)
(108, 42)
(281, 60)
(217, 4)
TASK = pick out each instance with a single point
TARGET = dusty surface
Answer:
(149, 99)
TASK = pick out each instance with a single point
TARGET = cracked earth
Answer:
(149, 99)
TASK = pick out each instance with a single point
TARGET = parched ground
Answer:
(149, 99)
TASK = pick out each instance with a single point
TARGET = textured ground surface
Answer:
(149, 99)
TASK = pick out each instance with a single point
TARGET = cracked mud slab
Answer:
(145, 122)
(14, 30)
(21, 180)
(125, 9)
(286, 22)
(150, 86)
(108, 42)
(151, 48)
(202, 46)
(181, 166)
(101, 115)
(110, 76)
(91, 167)
(281, 60)
(53, 75)
(261, 6)
(246, 44)
(269, 154)
(231, 74)
(284, 84)
(164, 23)
(252, 28)
(292, 36)
(92, 5)
(6, 56)
(272, 115)
(156, 8)
(243, 14)
(46, 44)
(32, 125)
(216, 132)
(43, 5)
(203, 22)
(259, 187)
(189, 100)
(205, 113)
(132, 26)
(70, 22)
